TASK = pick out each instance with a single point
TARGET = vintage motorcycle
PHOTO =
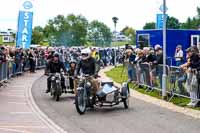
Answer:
(56, 89)
(108, 95)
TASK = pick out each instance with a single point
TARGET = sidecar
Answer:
(111, 95)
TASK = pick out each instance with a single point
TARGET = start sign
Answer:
(25, 21)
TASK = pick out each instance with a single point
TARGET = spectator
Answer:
(193, 68)
(138, 60)
(147, 59)
(18, 59)
(130, 56)
(31, 58)
(2, 54)
(148, 56)
(179, 55)
(159, 61)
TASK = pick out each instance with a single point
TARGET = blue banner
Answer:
(25, 21)
(159, 21)
(24, 29)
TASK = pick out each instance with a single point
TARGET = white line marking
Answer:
(12, 90)
(19, 103)
(14, 130)
(18, 96)
(33, 127)
(16, 113)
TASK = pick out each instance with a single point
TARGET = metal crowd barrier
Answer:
(151, 77)
(41, 63)
(10, 69)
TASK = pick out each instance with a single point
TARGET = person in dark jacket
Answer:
(31, 57)
(159, 61)
(193, 71)
(87, 65)
(2, 55)
(55, 66)
(148, 56)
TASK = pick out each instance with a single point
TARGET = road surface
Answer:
(142, 117)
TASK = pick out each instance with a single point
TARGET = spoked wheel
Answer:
(126, 99)
(58, 92)
(81, 101)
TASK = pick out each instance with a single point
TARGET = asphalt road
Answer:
(142, 117)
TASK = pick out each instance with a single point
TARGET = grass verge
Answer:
(119, 75)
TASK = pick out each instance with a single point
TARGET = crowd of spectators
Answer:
(188, 73)
(21, 59)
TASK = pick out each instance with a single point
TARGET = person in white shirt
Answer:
(179, 55)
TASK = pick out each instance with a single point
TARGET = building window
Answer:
(143, 40)
(6, 38)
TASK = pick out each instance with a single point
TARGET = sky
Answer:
(133, 13)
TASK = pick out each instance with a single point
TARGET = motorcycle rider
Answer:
(55, 66)
(87, 65)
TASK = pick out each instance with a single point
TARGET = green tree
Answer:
(99, 34)
(131, 33)
(172, 23)
(150, 25)
(37, 35)
(192, 23)
(78, 29)
(67, 31)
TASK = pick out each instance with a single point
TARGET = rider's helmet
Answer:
(56, 57)
(85, 54)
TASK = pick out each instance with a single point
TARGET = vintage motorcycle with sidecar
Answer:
(107, 95)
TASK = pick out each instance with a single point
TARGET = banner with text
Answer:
(25, 20)
(159, 21)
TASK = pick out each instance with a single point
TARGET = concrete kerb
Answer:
(186, 111)
(36, 110)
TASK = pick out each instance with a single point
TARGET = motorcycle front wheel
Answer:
(81, 101)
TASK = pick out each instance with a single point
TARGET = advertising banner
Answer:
(25, 20)
(159, 21)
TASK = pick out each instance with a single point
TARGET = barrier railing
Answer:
(11, 68)
(179, 82)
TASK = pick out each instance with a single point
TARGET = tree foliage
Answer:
(150, 25)
(131, 33)
(192, 23)
(37, 35)
(99, 34)
(67, 31)
(173, 23)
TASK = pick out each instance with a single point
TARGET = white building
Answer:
(120, 37)
(8, 36)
